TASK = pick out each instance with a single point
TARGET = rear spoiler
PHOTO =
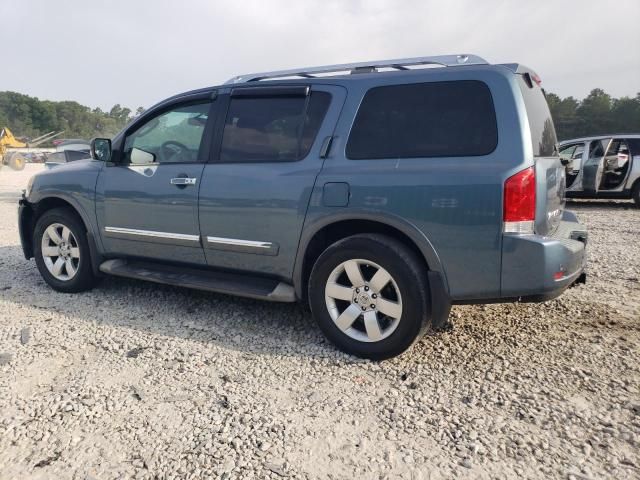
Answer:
(531, 77)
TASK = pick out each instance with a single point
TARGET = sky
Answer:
(137, 52)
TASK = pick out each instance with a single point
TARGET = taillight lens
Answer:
(520, 202)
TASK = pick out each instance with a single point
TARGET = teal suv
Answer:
(380, 193)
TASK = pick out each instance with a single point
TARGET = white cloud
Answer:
(138, 52)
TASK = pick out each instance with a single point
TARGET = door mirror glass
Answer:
(101, 149)
(140, 157)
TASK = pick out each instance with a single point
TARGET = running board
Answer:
(208, 280)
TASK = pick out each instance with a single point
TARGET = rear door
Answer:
(616, 165)
(265, 160)
(550, 173)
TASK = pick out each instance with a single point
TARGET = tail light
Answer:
(520, 202)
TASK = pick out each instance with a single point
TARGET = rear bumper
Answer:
(538, 268)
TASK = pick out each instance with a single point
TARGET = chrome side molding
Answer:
(151, 234)
(217, 243)
(235, 241)
(242, 246)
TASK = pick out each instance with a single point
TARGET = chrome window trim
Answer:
(153, 234)
(238, 242)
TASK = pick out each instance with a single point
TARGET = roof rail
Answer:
(366, 67)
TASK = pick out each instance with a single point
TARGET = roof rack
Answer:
(364, 67)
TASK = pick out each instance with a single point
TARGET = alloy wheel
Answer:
(363, 300)
(60, 251)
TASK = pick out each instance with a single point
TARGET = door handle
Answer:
(183, 181)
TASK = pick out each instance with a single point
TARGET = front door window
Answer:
(172, 137)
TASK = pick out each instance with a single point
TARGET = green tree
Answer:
(598, 113)
(626, 114)
(595, 112)
(564, 113)
(30, 117)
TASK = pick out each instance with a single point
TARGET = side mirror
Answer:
(141, 157)
(101, 149)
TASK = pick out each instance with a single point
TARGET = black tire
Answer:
(407, 271)
(635, 193)
(84, 278)
(17, 162)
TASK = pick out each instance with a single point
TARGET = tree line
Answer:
(596, 114)
(30, 117)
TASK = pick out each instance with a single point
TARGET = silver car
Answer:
(604, 166)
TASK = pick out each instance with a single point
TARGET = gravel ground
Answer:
(136, 380)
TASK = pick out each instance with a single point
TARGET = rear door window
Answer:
(272, 128)
(435, 119)
(543, 133)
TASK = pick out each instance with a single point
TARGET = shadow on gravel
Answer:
(236, 323)
(598, 204)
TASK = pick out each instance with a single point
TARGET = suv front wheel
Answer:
(61, 251)
(369, 296)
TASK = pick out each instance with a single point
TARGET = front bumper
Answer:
(538, 268)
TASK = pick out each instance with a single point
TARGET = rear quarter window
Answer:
(434, 119)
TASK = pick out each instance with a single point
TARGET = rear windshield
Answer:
(434, 119)
(543, 133)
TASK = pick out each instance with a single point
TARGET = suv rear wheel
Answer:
(369, 296)
(61, 251)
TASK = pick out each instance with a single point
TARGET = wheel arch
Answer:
(327, 230)
(34, 210)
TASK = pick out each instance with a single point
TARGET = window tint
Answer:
(596, 148)
(173, 136)
(578, 153)
(56, 157)
(439, 119)
(568, 151)
(73, 155)
(634, 146)
(272, 129)
(572, 152)
(543, 133)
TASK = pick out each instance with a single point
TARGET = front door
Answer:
(574, 154)
(255, 191)
(593, 167)
(149, 206)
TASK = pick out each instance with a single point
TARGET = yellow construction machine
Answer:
(15, 152)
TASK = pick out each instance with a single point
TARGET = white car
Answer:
(604, 166)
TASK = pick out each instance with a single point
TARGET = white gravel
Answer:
(136, 380)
